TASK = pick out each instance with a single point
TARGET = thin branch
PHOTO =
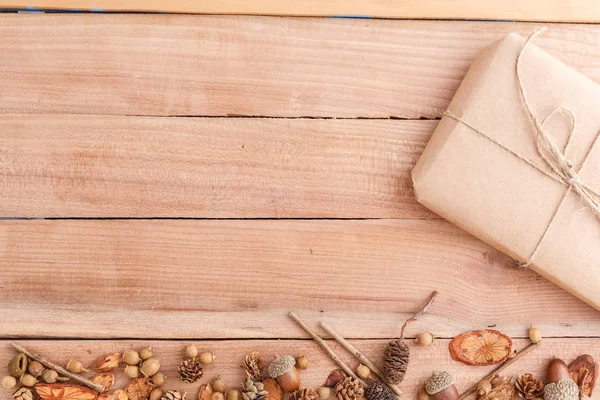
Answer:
(418, 313)
(49, 364)
(326, 347)
(360, 357)
(501, 368)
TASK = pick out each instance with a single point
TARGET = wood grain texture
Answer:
(230, 355)
(101, 166)
(239, 279)
(252, 66)
(530, 10)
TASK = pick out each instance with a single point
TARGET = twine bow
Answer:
(558, 165)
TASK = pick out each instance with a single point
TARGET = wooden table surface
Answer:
(174, 179)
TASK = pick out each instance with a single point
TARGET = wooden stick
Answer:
(418, 313)
(49, 364)
(326, 347)
(501, 368)
(360, 357)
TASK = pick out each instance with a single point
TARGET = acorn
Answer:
(146, 353)
(18, 365)
(159, 379)
(132, 371)
(207, 358)
(534, 334)
(557, 371)
(424, 339)
(560, 385)
(75, 366)
(28, 380)
(363, 371)
(9, 382)
(440, 386)
(191, 351)
(302, 361)
(284, 370)
(324, 392)
(218, 384)
(233, 394)
(156, 394)
(131, 357)
(150, 367)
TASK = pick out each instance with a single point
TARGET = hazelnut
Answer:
(207, 358)
(159, 379)
(75, 366)
(422, 395)
(50, 376)
(302, 361)
(28, 380)
(131, 357)
(146, 353)
(191, 351)
(132, 371)
(284, 371)
(150, 367)
(218, 384)
(156, 394)
(9, 382)
(217, 396)
(440, 386)
(363, 371)
(232, 394)
(324, 392)
(35, 368)
(424, 339)
(18, 365)
(534, 334)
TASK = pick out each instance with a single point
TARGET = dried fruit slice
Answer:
(502, 392)
(485, 347)
(64, 392)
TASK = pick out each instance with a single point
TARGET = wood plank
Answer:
(100, 166)
(530, 10)
(233, 279)
(252, 66)
(230, 355)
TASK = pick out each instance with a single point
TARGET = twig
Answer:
(360, 357)
(49, 364)
(418, 313)
(326, 347)
(501, 368)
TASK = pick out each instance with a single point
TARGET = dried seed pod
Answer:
(106, 379)
(283, 369)
(349, 389)
(440, 386)
(233, 394)
(75, 366)
(173, 395)
(35, 368)
(305, 394)
(253, 365)
(159, 379)
(132, 371)
(191, 351)
(302, 361)
(28, 380)
(207, 358)
(156, 394)
(217, 396)
(363, 371)
(50, 376)
(23, 394)
(9, 382)
(534, 334)
(379, 391)
(584, 371)
(150, 367)
(424, 339)
(108, 362)
(146, 353)
(324, 392)
(18, 365)
(529, 387)
(190, 370)
(131, 357)
(218, 384)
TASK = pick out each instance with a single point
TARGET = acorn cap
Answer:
(438, 382)
(565, 389)
(281, 365)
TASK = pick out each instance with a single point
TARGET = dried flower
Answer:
(190, 370)
(485, 347)
(584, 371)
(349, 389)
(253, 365)
(108, 362)
(529, 387)
(138, 389)
(114, 395)
(106, 379)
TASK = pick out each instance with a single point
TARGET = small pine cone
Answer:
(253, 390)
(304, 394)
(395, 361)
(253, 365)
(190, 370)
(349, 389)
(23, 394)
(379, 391)
(529, 387)
(173, 395)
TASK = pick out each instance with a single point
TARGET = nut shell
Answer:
(18, 365)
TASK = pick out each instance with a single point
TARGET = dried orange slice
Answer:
(485, 347)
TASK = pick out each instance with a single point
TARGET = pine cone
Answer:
(304, 394)
(253, 390)
(190, 370)
(379, 391)
(23, 394)
(253, 365)
(173, 395)
(349, 389)
(529, 387)
(395, 361)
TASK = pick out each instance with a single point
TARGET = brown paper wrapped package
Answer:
(487, 191)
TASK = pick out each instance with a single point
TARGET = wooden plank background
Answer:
(177, 178)
(530, 10)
